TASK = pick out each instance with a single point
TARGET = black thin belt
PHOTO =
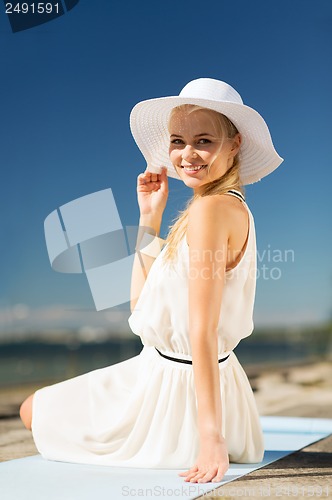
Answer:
(186, 360)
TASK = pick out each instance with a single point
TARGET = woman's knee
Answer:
(26, 412)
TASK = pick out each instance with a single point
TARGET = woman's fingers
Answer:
(211, 475)
(164, 180)
(152, 176)
(149, 186)
(190, 471)
(219, 477)
(145, 177)
(198, 476)
(194, 475)
(151, 180)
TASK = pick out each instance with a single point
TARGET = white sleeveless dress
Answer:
(142, 412)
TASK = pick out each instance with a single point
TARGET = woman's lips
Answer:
(193, 171)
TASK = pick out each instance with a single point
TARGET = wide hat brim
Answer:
(149, 126)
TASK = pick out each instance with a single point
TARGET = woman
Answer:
(184, 402)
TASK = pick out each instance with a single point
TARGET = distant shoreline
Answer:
(35, 361)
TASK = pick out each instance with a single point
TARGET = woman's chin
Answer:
(192, 181)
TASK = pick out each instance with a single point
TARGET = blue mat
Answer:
(34, 478)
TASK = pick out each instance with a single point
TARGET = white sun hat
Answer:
(149, 126)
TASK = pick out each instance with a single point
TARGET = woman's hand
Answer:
(152, 192)
(212, 462)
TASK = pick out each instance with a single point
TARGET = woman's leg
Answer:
(26, 412)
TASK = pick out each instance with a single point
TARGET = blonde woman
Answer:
(184, 402)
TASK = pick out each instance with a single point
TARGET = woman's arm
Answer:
(142, 262)
(208, 231)
(152, 194)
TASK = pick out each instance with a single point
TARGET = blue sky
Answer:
(67, 90)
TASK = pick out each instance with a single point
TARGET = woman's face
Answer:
(195, 144)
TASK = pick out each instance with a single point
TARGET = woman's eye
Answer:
(203, 141)
(176, 141)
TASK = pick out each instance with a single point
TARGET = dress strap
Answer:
(236, 193)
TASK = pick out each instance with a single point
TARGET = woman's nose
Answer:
(188, 153)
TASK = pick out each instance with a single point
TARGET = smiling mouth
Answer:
(194, 169)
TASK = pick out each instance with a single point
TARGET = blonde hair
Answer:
(225, 129)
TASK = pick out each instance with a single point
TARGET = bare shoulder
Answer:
(209, 224)
(218, 222)
(218, 209)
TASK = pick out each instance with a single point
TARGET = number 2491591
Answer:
(32, 8)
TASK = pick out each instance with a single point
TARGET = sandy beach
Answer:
(300, 391)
